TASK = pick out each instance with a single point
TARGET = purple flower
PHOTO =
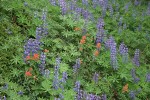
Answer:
(58, 61)
(43, 63)
(109, 42)
(132, 95)
(72, 7)
(117, 7)
(104, 97)
(65, 77)
(4, 97)
(41, 31)
(56, 78)
(148, 9)
(5, 86)
(136, 58)
(100, 29)
(31, 47)
(133, 74)
(127, 6)
(25, 4)
(100, 24)
(85, 2)
(20, 93)
(124, 52)
(120, 21)
(77, 86)
(85, 14)
(95, 77)
(53, 2)
(79, 95)
(76, 66)
(111, 10)
(136, 2)
(46, 73)
(63, 6)
(61, 96)
(94, 2)
(113, 56)
(103, 5)
(56, 74)
(44, 15)
(63, 80)
(148, 77)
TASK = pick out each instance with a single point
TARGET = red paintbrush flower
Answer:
(35, 56)
(28, 73)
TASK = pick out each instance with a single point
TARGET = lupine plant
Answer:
(74, 50)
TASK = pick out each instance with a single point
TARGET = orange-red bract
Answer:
(77, 29)
(98, 45)
(125, 88)
(96, 53)
(28, 57)
(82, 41)
(84, 37)
(28, 73)
(35, 56)
(45, 50)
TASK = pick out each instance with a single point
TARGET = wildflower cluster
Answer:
(31, 48)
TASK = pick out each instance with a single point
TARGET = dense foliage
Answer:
(74, 50)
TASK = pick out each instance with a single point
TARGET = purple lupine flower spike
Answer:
(100, 31)
(95, 77)
(132, 95)
(109, 42)
(63, 6)
(4, 97)
(76, 66)
(77, 86)
(111, 10)
(56, 74)
(124, 52)
(136, 2)
(72, 7)
(20, 93)
(32, 46)
(56, 78)
(85, 2)
(46, 73)
(85, 14)
(65, 77)
(94, 2)
(61, 96)
(53, 2)
(104, 97)
(148, 77)
(133, 74)
(113, 56)
(25, 4)
(43, 62)
(5, 86)
(136, 57)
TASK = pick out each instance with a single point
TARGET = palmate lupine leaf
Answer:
(46, 85)
(15, 72)
(16, 60)
(5, 46)
(70, 96)
(64, 67)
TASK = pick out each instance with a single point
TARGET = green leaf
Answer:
(46, 84)
(63, 67)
